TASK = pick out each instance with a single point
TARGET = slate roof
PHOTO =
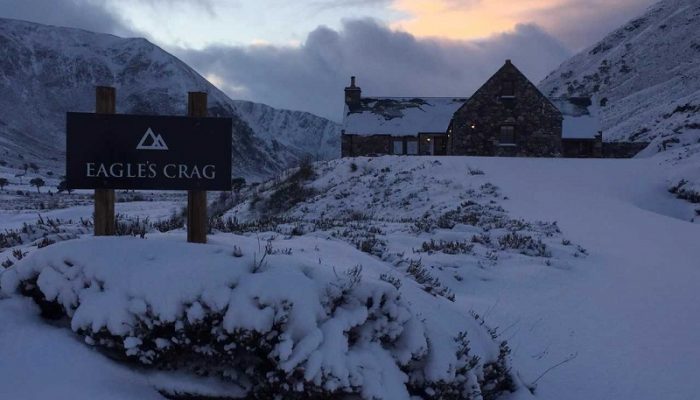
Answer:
(408, 116)
(401, 116)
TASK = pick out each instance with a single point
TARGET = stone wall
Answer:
(358, 145)
(583, 148)
(507, 98)
(623, 149)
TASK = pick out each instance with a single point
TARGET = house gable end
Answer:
(507, 72)
(507, 115)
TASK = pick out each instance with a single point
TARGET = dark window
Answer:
(508, 88)
(412, 147)
(398, 147)
(507, 134)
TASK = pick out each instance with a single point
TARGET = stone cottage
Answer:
(507, 116)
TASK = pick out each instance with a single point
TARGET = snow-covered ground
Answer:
(627, 315)
(601, 305)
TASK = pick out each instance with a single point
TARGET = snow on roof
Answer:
(404, 116)
(401, 116)
(580, 119)
(583, 127)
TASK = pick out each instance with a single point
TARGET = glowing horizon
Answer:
(567, 20)
(242, 23)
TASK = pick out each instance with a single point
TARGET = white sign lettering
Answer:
(150, 170)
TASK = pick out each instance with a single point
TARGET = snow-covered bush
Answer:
(291, 191)
(683, 190)
(43, 232)
(131, 227)
(363, 236)
(447, 247)
(283, 326)
(429, 283)
(525, 244)
(175, 221)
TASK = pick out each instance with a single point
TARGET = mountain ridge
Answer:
(644, 76)
(46, 71)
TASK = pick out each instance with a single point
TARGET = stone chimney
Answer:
(353, 94)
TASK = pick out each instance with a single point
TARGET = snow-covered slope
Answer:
(46, 71)
(301, 132)
(645, 76)
(616, 321)
(454, 235)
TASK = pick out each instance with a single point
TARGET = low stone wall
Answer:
(356, 145)
(536, 146)
(623, 149)
(582, 148)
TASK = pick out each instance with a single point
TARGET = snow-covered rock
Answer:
(47, 71)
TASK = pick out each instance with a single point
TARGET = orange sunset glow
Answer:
(470, 19)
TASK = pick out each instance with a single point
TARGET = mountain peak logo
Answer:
(151, 141)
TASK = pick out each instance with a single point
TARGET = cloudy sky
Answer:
(299, 54)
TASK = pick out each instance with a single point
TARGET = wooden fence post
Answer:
(105, 103)
(197, 199)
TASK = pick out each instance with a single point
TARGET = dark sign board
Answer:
(117, 151)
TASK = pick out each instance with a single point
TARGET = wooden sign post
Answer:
(197, 199)
(105, 103)
(107, 151)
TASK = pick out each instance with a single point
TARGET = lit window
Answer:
(507, 134)
(412, 147)
(398, 146)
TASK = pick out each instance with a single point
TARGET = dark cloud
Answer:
(311, 77)
(83, 14)
(165, 5)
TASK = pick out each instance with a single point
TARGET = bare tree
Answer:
(38, 182)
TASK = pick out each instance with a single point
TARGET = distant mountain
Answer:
(46, 71)
(300, 132)
(645, 76)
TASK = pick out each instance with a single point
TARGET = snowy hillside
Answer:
(46, 71)
(645, 76)
(645, 79)
(586, 268)
(301, 132)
